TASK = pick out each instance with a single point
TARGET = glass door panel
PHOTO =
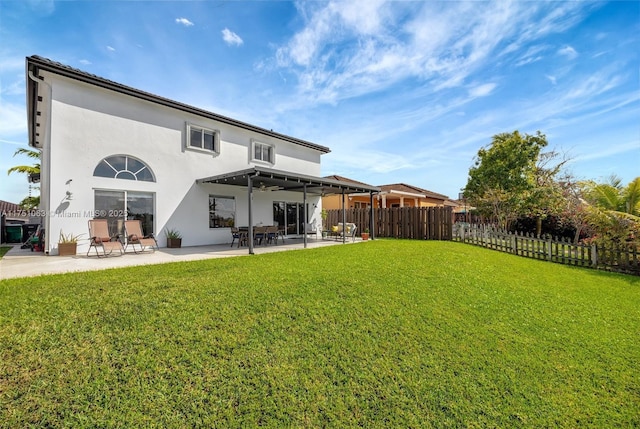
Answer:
(110, 205)
(279, 214)
(292, 218)
(140, 207)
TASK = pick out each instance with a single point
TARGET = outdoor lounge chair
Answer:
(135, 237)
(100, 238)
(348, 232)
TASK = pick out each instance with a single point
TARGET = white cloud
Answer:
(347, 49)
(482, 90)
(184, 21)
(110, 48)
(610, 150)
(532, 55)
(568, 52)
(231, 38)
(552, 79)
(85, 62)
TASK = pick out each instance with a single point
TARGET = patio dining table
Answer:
(244, 235)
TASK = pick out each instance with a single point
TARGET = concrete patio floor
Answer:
(19, 262)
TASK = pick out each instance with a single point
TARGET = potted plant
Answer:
(68, 244)
(174, 239)
(365, 234)
(324, 214)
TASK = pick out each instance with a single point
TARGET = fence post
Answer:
(594, 256)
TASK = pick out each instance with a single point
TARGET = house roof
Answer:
(288, 181)
(403, 187)
(13, 211)
(36, 63)
(345, 179)
(7, 207)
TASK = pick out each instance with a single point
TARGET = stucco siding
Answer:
(89, 124)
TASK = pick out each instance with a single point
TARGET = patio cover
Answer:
(287, 181)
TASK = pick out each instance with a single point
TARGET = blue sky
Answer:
(400, 91)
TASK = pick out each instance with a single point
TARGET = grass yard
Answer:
(389, 333)
(4, 250)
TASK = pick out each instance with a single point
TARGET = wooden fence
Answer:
(623, 259)
(420, 223)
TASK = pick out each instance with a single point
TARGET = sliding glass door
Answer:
(118, 206)
(289, 216)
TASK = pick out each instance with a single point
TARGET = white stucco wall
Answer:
(89, 124)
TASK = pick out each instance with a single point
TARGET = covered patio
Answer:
(25, 263)
(287, 181)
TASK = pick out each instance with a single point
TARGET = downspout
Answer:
(45, 163)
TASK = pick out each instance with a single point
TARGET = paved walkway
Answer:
(25, 263)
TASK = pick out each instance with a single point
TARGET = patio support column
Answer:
(250, 194)
(344, 219)
(304, 213)
(371, 234)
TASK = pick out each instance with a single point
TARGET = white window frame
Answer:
(263, 145)
(203, 130)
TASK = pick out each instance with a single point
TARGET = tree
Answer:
(508, 178)
(614, 210)
(574, 209)
(29, 202)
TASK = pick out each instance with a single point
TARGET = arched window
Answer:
(124, 167)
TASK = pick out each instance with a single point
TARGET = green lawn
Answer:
(388, 333)
(4, 250)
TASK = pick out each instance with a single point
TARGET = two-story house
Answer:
(116, 152)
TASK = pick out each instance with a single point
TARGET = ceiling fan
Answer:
(264, 188)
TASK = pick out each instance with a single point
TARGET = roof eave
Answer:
(41, 63)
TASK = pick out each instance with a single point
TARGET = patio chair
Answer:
(272, 234)
(135, 237)
(240, 235)
(260, 235)
(100, 238)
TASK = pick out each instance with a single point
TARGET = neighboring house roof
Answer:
(403, 187)
(7, 207)
(13, 211)
(346, 179)
(36, 63)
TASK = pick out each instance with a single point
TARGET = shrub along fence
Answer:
(420, 223)
(623, 259)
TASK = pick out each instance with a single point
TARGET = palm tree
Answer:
(615, 209)
(32, 171)
(613, 197)
(631, 197)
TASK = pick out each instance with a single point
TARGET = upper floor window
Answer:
(124, 167)
(203, 139)
(263, 152)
